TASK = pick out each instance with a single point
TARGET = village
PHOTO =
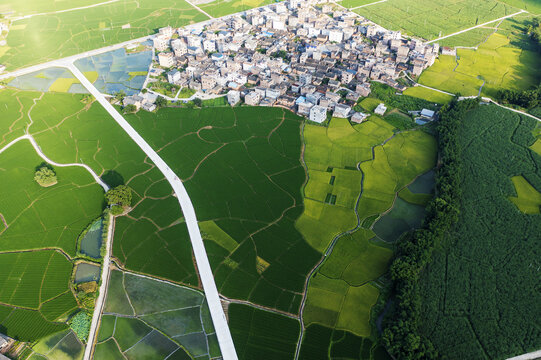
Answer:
(311, 57)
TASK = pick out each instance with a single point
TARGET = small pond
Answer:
(402, 217)
(424, 184)
(87, 272)
(91, 242)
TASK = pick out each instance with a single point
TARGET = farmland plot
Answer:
(153, 237)
(218, 8)
(341, 293)
(43, 38)
(242, 170)
(431, 19)
(63, 345)
(146, 316)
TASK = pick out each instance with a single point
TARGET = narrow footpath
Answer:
(205, 272)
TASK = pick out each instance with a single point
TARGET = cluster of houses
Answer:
(309, 56)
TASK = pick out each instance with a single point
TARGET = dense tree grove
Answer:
(118, 199)
(45, 176)
(401, 335)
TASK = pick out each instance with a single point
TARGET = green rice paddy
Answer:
(428, 94)
(157, 319)
(218, 8)
(431, 19)
(248, 220)
(43, 38)
(364, 166)
(496, 64)
(63, 345)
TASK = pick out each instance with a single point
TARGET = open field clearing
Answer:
(220, 8)
(528, 199)
(43, 38)
(479, 296)
(154, 318)
(320, 342)
(431, 19)
(242, 169)
(151, 238)
(259, 334)
(340, 294)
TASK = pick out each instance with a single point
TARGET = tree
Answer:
(119, 196)
(120, 95)
(45, 176)
(130, 108)
(197, 102)
(161, 102)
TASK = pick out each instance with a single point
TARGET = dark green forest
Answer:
(467, 283)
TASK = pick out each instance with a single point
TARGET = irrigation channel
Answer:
(333, 242)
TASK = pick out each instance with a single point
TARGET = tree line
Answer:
(401, 334)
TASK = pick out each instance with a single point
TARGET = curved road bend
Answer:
(47, 160)
(205, 272)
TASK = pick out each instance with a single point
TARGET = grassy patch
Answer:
(428, 94)
(528, 199)
(220, 8)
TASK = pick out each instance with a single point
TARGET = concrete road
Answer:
(205, 272)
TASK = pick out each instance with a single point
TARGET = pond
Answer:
(424, 184)
(118, 70)
(402, 217)
(91, 242)
(87, 272)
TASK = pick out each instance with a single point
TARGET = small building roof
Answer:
(427, 113)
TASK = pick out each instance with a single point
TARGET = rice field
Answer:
(364, 166)
(260, 334)
(496, 64)
(62, 345)
(248, 221)
(431, 19)
(428, 94)
(146, 316)
(43, 38)
(218, 8)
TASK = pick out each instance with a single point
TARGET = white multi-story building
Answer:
(161, 43)
(173, 76)
(233, 97)
(336, 36)
(209, 45)
(253, 98)
(318, 113)
(167, 31)
(166, 59)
